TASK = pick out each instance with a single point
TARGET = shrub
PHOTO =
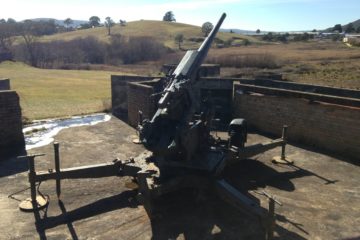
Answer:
(134, 49)
(80, 52)
(354, 42)
(59, 54)
(249, 60)
(196, 39)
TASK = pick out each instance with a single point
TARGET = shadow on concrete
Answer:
(38, 217)
(194, 216)
(69, 222)
(181, 216)
(68, 217)
(252, 174)
(13, 165)
(307, 147)
(177, 214)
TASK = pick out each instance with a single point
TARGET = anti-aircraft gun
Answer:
(179, 136)
(182, 151)
(176, 134)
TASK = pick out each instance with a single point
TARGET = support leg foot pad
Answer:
(28, 206)
(279, 160)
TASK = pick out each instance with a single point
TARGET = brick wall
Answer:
(331, 127)
(11, 136)
(119, 98)
(4, 84)
(303, 87)
(139, 98)
(205, 70)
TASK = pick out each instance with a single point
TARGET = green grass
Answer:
(48, 93)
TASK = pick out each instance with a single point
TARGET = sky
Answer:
(266, 15)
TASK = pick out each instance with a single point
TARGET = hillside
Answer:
(356, 24)
(163, 32)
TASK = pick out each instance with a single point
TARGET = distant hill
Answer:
(356, 24)
(75, 23)
(238, 31)
(161, 31)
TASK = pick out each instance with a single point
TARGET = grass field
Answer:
(48, 93)
(316, 62)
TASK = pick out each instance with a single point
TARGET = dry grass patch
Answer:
(163, 32)
(317, 62)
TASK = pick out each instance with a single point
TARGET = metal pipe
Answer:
(57, 169)
(271, 226)
(32, 175)
(284, 138)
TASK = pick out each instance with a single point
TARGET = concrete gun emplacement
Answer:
(182, 151)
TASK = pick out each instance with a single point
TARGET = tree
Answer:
(358, 29)
(179, 38)
(257, 31)
(28, 33)
(350, 28)
(169, 17)
(206, 28)
(94, 21)
(337, 28)
(122, 22)
(11, 20)
(268, 37)
(85, 26)
(246, 42)
(108, 24)
(7, 33)
(68, 22)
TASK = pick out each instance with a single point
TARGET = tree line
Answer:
(20, 41)
(350, 28)
(89, 50)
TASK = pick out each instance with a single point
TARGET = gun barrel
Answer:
(192, 60)
(207, 43)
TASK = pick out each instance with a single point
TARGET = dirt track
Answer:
(321, 196)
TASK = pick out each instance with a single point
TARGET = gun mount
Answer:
(174, 133)
(182, 151)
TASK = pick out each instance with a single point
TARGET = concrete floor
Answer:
(320, 196)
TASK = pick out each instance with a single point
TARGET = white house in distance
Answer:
(350, 36)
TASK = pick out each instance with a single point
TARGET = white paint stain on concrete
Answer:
(41, 132)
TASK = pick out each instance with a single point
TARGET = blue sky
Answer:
(269, 15)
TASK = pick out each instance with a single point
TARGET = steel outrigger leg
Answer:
(249, 206)
(35, 202)
(282, 159)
